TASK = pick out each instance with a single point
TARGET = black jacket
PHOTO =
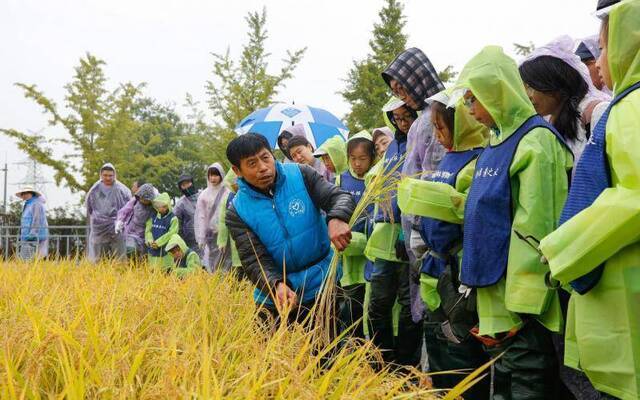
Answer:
(256, 261)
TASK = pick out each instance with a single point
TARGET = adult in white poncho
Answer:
(103, 201)
(206, 218)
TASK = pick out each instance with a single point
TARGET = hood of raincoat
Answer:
(383, 130)
(562, 49)
(146, 192)
(588, 48)
(387, 114)
(230, 180)
(414, 71)
(162, 199)
(109, 166)
(336, 148)
(623, 47)
(218, 167)
(495, 81)
(363, 134)
(467, 132)
(174, 241)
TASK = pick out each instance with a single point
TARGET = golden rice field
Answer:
(74, 330)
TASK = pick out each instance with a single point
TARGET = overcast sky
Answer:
(167, 44)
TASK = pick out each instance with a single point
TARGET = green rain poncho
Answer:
(165, 262)
(192, 262)
(603, 325)
(353, 259)
(539, 185)
(439, 200)
(224, 238)
(336, 148)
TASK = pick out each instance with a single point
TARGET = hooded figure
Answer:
(413, 79)
(335, 150)
(353, 259)
(158, 230)
(185, 260)
(225, 242)
(103, 201)
(34, 229)
(133, 217)
(185, 210)
(412, 69)
(518, 189)
(210, 202)
(439, 199)
(597, 247)
(591, 106)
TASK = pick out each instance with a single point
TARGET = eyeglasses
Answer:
(404, 118)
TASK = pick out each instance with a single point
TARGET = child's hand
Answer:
(154, 245)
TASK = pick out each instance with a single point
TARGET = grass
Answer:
(75, 330)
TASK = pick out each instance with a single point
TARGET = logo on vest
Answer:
(296, 207)
(487, 172)
(441, 174)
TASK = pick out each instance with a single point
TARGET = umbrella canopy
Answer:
(319, 124)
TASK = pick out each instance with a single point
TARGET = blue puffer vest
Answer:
(292, 229)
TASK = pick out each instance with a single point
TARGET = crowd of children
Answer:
(512, 234)
(511, 231)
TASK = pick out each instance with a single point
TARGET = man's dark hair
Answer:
(245, 146)
(298, 141)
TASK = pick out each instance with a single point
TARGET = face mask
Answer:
(190, 191)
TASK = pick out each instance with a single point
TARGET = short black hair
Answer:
(298, 141)
(245, 146)
(368, 145)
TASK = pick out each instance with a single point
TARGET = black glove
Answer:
(401, 251)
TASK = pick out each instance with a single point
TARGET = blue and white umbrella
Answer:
(319, 124)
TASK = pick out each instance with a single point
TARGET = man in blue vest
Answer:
(276, 220)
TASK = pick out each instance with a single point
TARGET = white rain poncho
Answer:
(206, 217)
(103, 203)
(563, 48)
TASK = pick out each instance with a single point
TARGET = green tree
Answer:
(245, 85)
(365, 90)
(524, 49)
(122, 126)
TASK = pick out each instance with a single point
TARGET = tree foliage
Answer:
(365, 90)
(244, 85)
(139, 136)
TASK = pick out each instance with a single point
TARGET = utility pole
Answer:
(5, 205)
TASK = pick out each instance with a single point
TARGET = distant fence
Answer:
(64, 240)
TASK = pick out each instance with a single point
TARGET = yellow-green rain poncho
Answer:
(224, 239)
(382, 241)
(539, 185)
(439, 200)
(336, 149)
(163, 262)
(353, 259)
(603, 325)
(189, 264)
